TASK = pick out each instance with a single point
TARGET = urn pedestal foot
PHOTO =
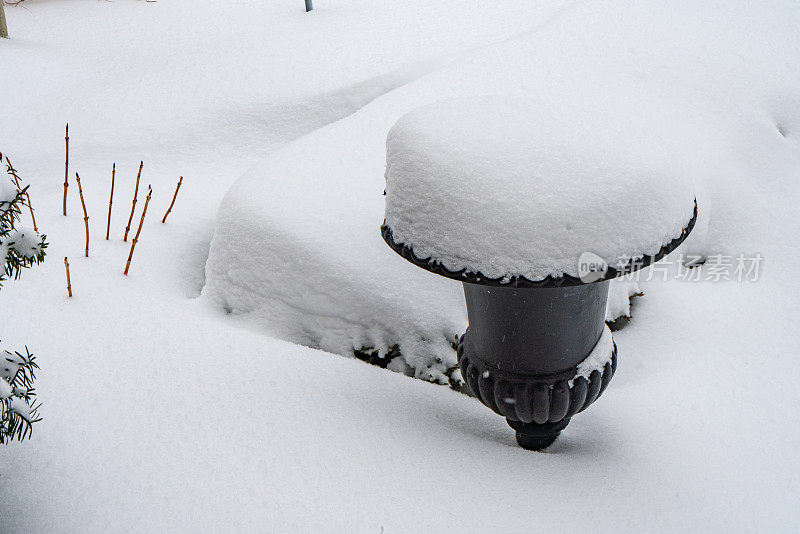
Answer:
(535, 437)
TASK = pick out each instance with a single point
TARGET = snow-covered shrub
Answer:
(392, 359)
(21, 248)
(18, 411)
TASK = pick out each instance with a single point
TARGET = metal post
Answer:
(4, 28)
(309, 5)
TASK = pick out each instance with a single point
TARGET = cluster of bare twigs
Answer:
(110, 208)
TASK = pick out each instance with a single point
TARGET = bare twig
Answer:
(138, 230)
(13, 172)
(111, 199)
(1, 159)
(180, 181)
(85, 215)
(66, 171)
(133, 206)
(69, 284)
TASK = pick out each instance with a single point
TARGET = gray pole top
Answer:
(3, 27)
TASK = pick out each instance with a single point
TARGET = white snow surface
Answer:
(619, 297)
(5, 389)
(507, 186)
(4, 256)
(8, 192)
(163, 413)
(20, 407)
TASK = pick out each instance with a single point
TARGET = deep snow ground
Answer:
(162, 413)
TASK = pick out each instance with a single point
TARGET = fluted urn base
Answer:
(537, 356)
(537, 407)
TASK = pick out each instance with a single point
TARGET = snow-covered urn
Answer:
(534, 218)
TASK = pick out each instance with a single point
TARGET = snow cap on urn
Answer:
(504, 188)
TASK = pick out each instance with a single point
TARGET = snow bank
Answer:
(320, 281)
(507, 187)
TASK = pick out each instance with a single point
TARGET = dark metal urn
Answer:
(536, 352)
(522, 349)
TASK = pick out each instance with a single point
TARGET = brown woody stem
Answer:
(138, 230)
(13, 172)
(180, 181)
(69, 284)
(66, 171)
(111, 199)
(133, 205)
(85, 215)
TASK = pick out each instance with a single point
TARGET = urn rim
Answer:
(565, 280)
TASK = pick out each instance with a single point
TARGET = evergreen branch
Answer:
(18, 410)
